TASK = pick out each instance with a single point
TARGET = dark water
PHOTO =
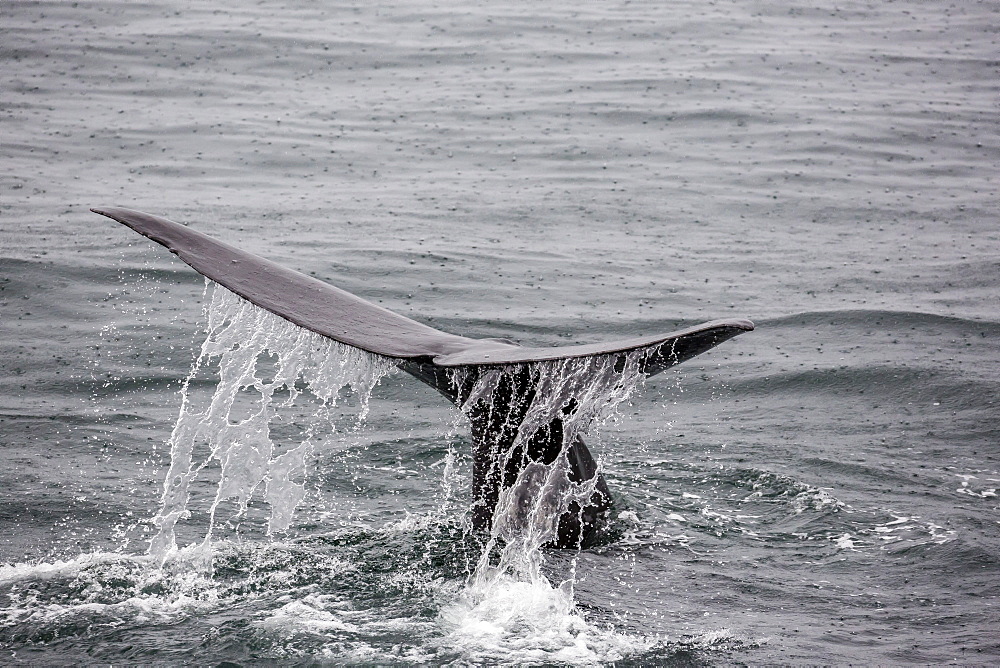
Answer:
(823, 489)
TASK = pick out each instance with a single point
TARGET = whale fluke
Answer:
(458, 367)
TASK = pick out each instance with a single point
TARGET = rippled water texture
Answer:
(823, 489)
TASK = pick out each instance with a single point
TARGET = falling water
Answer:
(241, 336)
(264, 363)
(509, 601)
(578, 392)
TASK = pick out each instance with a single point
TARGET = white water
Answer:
(509, 611)
(595, 389)
(507, 606)
(240, 337)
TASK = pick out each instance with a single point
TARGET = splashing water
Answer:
(579, 393)
(240, 335)
(507, 604)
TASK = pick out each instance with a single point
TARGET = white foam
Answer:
(507, 620)
(508, 611)
(311, 614)
(844, 542)
(10, 573)
(187, 593)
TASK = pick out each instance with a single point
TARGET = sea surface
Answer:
(820, 490)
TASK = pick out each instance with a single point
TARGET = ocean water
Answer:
(823, 489)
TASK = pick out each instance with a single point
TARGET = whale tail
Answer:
(528, 407)
(528, 419)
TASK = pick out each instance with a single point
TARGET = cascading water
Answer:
(576, 393)
(239, 336)
(506, 600)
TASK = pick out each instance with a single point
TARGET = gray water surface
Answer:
(823, 489)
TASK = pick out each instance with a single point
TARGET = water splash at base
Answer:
(506, 608)
(509, 610)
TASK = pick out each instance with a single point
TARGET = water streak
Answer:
(579, 394)
(240, 337)
(508, 598)
(265, 363)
